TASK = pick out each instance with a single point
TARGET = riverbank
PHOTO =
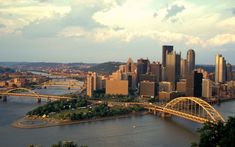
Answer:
(34, 122)
(218, 101)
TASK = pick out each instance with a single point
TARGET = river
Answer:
(138, 131)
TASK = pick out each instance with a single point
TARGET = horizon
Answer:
(86, 31)
(89, 62)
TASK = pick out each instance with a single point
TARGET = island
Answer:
(74, 111)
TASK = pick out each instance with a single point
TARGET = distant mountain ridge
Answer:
(41, 64)
(6, 70)
(105, 68)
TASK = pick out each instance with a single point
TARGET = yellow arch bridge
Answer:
(191, 108)
(30, 93)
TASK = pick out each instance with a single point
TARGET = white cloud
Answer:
(193, 25)
(14, 16)
(180, 21)
(222, 39)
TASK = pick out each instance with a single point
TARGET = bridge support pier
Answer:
(154, 112)
(39, 100)
(4, 98)
(164, 115)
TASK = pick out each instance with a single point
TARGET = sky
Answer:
(96, 31)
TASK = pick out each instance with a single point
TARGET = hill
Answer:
(105, 68)
(6, 70)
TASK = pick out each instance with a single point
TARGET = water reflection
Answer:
(149, 130)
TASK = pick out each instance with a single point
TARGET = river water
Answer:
(146, 130)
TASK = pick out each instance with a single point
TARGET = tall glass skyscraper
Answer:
(191, 60)
(220, 68)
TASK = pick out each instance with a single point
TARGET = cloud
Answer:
(174, 10)
(233, 11)
(181, 22)
(98, 35)
(17, 14)
(2, 26)
(222, 39)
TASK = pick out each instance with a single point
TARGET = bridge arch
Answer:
(214, 115)
(25, 89)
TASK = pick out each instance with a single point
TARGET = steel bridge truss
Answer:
(194, 109)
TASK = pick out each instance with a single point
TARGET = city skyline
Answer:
(117, 73)
(86, 31)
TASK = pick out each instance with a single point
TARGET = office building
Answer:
(94, 83)
(166, 49)
(229, 72)
(194, 84)
(166, 86)
(148, 89)
(163, 74)
(156, 69)
(130, 66)
(116, 87)
(205, 74)
(142, 67)
(149, 77)
(181, 86)
(183, 68)
(166, 96)
(206, 88)
(220, 68)
(191, 60)
(173, 67)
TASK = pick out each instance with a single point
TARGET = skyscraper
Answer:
(194, 84)
(220, 68)
(173, 67)
(94, 83)
(142, 67)
(191, 60)
(91, 83)
(183, 68)
(206, 88)
(130, 66)
(156, 69)
(229, 72)
(165, 49)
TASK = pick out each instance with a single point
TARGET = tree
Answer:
(213, 135)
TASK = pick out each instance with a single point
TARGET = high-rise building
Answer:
(94, 83)
(149, 77)
(229, 72)
(181, 86)
(183, 68)
(173, 67)
(191, 60)
(116, 87)
(166, 86)
(148, 89)
(90, 84)
(130, 66)
(163, 73)
(142, 67)
(220, 68)
(166, 49)
(194, 84)
(156, 69)
(206, 88)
